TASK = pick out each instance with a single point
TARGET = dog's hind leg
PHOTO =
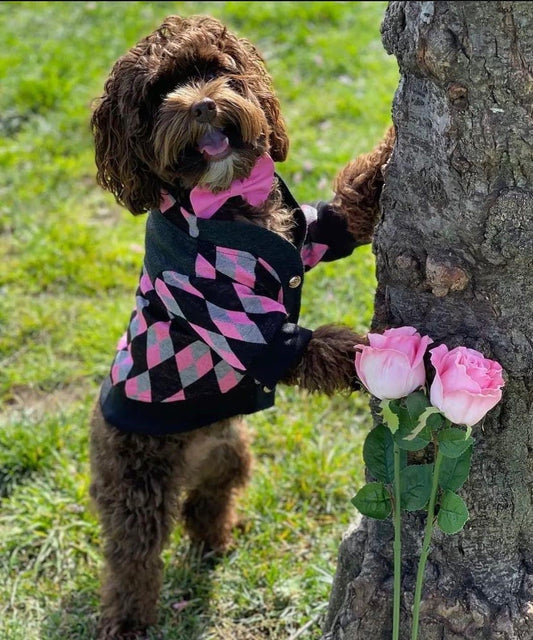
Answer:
(217, 465)
(135, 487)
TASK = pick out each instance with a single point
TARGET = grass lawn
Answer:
(70, 261)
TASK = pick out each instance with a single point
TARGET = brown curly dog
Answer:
(187, 129)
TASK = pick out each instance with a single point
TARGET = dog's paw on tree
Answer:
(358, 188)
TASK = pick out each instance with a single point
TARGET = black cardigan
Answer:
(215, 325)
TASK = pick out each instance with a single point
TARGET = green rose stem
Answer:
(397, 546)
(425, 544)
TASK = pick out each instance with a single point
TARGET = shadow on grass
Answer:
(184, 607)
(12, 475)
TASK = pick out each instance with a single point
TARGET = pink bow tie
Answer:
(254, 189)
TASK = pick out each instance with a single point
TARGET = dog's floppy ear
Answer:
(258, 81)
(279, 140)
(121, 170)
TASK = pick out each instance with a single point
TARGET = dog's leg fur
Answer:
(327, 365)
(135, 487)
(217, 464)
(358, 187)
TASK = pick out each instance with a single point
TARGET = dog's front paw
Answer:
(358, 189)
(328, 363)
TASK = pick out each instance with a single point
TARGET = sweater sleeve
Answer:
(247, 328)
(327, 236)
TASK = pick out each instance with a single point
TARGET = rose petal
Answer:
(358, 367)
(384, 373)
(462, 407)
(401, 331)
(425, 341)
(392, 365)
(403, 339)
(437, 356)
(436, 392)
(456, 378)
(466, 385)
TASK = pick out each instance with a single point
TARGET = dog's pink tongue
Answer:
(213, 143)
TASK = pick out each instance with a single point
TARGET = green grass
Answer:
(70, 261)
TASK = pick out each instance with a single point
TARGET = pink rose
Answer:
(466, 385)
(393, 365)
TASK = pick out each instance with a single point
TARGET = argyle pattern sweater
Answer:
(215, 324)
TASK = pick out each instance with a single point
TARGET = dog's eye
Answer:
(230, 63)
(210, 75)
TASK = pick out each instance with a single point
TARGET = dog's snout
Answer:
(204, 110)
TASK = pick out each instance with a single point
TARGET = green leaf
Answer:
(407, 423)
(422, 423)
(416, 403)
(378, 454)
(414, 444)
(373, 501)
(454, 471)
(454, 442)
(435, 421)
(390, 418)
(417, 444)
(415, 486)
(453, 513)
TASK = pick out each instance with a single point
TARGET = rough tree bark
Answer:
(454, 255)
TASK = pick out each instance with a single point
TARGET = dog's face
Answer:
(189, 105)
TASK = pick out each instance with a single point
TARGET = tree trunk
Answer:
(454, 255)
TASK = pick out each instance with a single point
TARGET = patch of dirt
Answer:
(30, 399)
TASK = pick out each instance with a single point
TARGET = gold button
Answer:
(294, 282)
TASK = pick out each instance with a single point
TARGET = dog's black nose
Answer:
(205, 110)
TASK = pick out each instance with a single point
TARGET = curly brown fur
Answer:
(139, 485)
(358, 187)
(328, 363)
(192, 104)
(272, 215)
(135, 486)
(218, 464)
(145, 131)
